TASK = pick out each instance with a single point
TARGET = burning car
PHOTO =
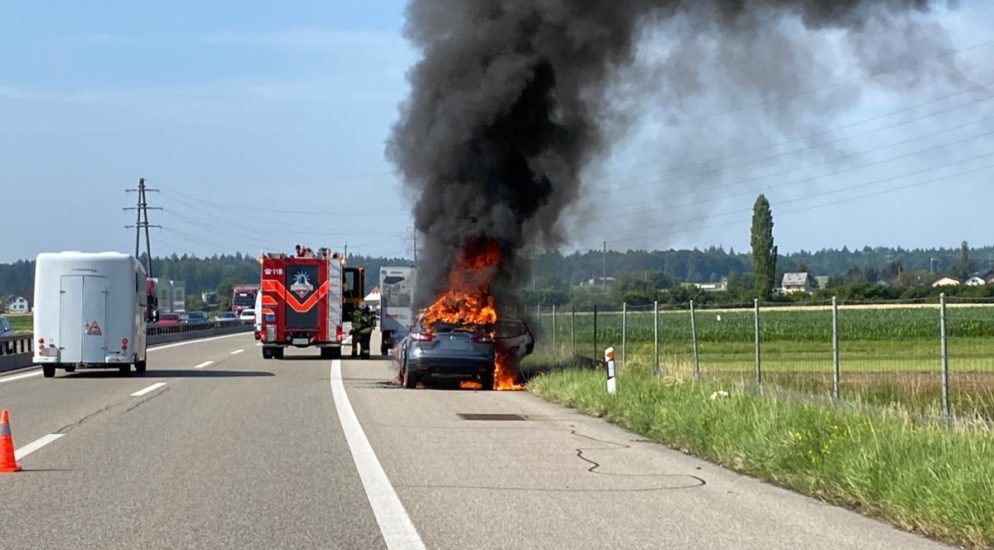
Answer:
(479, 356)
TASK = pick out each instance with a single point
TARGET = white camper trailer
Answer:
(89, 311)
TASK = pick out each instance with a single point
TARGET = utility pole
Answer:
(142, 223)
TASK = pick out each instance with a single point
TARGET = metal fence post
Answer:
(836, 372)
(655, 337)
(555, 347)
(693, 336)
(538, 316)
(572, 331)
(624, 331)
(944, 351)
(596, 349)
(755, 316)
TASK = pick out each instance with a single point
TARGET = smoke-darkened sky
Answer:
(266, 126)
(514, 100)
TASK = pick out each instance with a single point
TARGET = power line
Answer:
(690, 223)
(607, 188)
(809, 179)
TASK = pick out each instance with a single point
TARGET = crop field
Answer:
(22, 322)
(887, 356)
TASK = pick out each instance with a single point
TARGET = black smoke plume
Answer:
(511, 101)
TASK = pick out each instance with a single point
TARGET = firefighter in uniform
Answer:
(362, 331)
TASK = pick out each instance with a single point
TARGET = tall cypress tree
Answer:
(764, 252)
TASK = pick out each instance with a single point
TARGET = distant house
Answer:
(713, 287)
(796, 282)
(975, 281)
(946, 281)
(598, 281)
(18, 304)
(988, 277)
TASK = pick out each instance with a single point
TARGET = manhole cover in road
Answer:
(491, 416)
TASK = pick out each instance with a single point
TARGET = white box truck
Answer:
(396, 304)
(89, 312)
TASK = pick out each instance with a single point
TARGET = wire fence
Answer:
(930, 357)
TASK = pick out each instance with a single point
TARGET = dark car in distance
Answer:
(445, 352)
(196, 317)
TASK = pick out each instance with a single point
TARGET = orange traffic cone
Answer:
(8, 463)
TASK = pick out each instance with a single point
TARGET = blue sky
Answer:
(263, 125)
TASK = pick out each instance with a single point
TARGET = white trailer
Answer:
(396, 304)
(89, 312)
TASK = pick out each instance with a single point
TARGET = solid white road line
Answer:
(237, 351)
(36, 370)
(395, 525)
(149, 389)
(15, 377)
(35, 445)
(204, 364)
(202, 340)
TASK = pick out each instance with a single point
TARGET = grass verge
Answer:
(920, 477)
(21, 322)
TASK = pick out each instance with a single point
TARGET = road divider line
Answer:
(395, 525)
(15, 377)
(204, 364)
(35, 445)
(200, 341)
(36, 369)
(149, 389)
(237, 351)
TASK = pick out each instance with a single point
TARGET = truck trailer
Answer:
(90, 312)
(397, 285)
(306, 299)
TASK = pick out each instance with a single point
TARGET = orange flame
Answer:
(506, 373)
(467, 302)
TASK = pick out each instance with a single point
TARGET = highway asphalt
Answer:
(250, 453)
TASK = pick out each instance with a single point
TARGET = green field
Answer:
(22, 322)
(887, 355)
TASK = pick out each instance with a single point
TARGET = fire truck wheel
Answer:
(48, 371)
(267, 353)
(326, 353)
(410, 381)
(71, 368)
(141, 366)
(336, 353)
(125, 369)
(278, 353)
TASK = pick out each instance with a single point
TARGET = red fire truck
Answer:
(306, 300)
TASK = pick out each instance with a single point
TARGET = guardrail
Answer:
(17, 351)
(15, 345)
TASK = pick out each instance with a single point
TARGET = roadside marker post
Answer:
(612, 386)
